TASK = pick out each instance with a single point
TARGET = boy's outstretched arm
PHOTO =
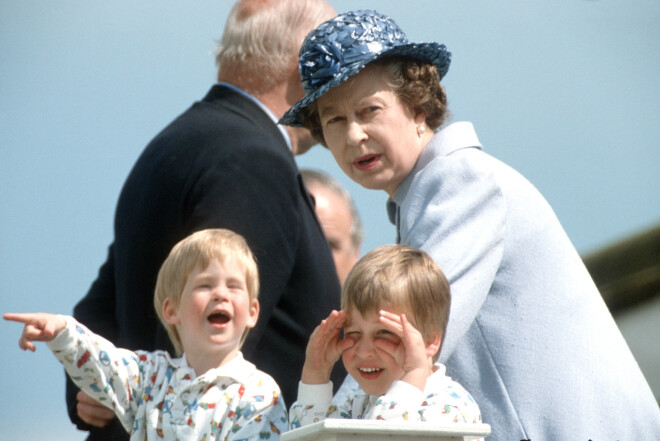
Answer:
(39, 326)
(324, 349)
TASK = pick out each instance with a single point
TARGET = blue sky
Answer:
(564, 91)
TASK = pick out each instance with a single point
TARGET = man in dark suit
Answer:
(224, 163)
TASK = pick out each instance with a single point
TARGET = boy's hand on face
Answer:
(324, 349)
(410, 354)
(39, 326)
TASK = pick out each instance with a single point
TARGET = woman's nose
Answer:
(355, 133)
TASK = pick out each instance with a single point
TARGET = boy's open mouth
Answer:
(218, 318)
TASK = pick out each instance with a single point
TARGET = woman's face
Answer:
(372, 134)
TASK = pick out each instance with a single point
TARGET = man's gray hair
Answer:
(261, 40)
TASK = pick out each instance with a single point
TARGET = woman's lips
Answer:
(366, 162)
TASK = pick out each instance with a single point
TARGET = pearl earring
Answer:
(420, 130)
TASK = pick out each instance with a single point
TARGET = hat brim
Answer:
(433, 53)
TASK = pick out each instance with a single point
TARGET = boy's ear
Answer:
(170, 312)
(433, 345)
(253, 313)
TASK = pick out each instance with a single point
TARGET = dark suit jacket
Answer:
(222, 164)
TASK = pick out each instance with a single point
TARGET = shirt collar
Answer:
(238, 368)
(268, 112)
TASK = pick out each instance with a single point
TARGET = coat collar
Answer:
(229, 92)
(454, 137)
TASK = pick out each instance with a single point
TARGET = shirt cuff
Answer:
(315, 393)
(63, 339)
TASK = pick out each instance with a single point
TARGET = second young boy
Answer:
(395, 308)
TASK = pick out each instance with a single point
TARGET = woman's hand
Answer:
(324, 349)
(39, 326)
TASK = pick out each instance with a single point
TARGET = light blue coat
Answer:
(529, 335)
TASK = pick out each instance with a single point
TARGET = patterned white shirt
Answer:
(443, 401)
(157, 397)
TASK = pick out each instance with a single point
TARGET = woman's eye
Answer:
(333, 120)
(370, 110)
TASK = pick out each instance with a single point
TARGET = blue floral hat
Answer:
(341, 47)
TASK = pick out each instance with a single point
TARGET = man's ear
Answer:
(253, 313)
(170, 312)
(433, 345)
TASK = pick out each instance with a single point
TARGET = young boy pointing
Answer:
(206, 297)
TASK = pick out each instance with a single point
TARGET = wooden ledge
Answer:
(376, 430)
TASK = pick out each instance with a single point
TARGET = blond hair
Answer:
(199, 249)
(400, 277)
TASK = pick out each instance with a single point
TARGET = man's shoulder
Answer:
(223, 115)
(226, 123)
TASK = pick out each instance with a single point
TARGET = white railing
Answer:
(377, 430)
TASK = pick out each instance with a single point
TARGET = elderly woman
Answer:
(529, 335)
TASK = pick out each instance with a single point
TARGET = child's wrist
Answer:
(61, 337)
(61, 326)
(416, 377)
(314, 376)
